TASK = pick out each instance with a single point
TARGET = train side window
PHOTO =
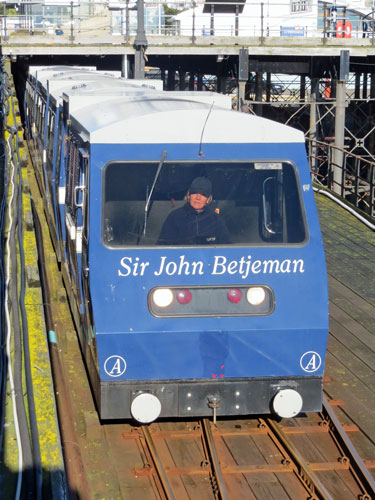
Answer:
(72, 178)
(258, 202)
(51, 133)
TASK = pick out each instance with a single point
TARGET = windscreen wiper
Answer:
(147, 205)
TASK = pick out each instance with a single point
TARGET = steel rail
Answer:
(304, 472)
(207, 433)
(158, 464)
(356, 463)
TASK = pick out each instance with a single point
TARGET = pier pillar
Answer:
(191, 80)
(258, 108)
(338, 155)
(243, 75)
(268, 87)
(221, 84)
(333, 88)
(302, 88)
(182, 76)
(199, 81)
(312, 128)
(364, 86)
(125, 66)
(371, 117)
(171, 79)
(212, 22)
(162, 78)
(357, 88)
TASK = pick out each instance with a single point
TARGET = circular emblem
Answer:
(115, 366)
(310, 361)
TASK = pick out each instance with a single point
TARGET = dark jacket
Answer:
(186, 226)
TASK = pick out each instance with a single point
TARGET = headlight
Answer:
(255, 295)
(162, 297)
(287, 403)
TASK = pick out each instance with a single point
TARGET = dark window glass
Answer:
(252, 203)
(72, 178)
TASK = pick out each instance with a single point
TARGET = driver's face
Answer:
(198, 201)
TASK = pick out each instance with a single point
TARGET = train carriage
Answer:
(173, 328)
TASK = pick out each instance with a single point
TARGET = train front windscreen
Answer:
(202, 203)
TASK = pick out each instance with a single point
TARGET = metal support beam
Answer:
(313, 123)
(171, 79)
(212, 25)
(199, 81)
(236, 20)
(127, 21)
(338, 155)
(191, 80)
(221, 84)
(193, 37)
(262, 23)
(243, 75)
(372, 86)
(71, 38)
(302, 88)
(124, 67)
(371, 116)
(268, 87)
(258, 108)
(364, 86)
(241, 94)
(182, 76)
(139, 64)
(140, 42)
(357, 88)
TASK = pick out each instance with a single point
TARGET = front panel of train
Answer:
(223, 306)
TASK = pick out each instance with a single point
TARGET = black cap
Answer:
(201, 185)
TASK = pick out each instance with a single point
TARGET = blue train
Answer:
(190, 244)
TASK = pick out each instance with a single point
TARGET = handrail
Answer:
(357, 179)
(195, 19)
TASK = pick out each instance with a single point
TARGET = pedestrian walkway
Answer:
(350, 364)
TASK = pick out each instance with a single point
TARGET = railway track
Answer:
(305, 458)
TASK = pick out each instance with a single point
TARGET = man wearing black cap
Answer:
(195, 223)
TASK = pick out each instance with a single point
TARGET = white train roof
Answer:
(79, 98)
(73, 76)
(113, 110)
(33, 70)
(55, 72)
(98, 88)
(160, 119)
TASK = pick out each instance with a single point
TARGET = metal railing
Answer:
(356, 182)
(191, 20)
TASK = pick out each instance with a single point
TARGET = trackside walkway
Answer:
(350, 364)
(31, 458)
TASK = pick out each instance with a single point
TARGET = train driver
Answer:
(196, 222)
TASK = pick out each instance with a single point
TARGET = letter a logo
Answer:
(310, 361)
(114, 366)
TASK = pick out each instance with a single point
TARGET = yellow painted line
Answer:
(49, 435)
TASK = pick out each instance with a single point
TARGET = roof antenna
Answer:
(204, 126)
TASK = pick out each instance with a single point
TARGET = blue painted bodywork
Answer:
(291, 341)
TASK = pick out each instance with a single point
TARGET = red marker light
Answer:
(234, 295)
(183, 296)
